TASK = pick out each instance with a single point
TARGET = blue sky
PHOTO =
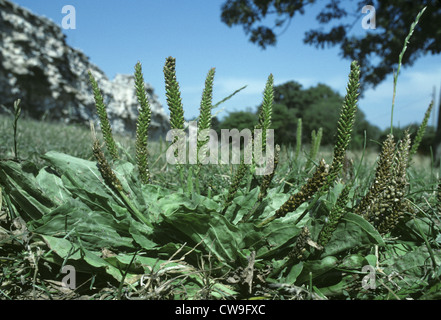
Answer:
(115, 34)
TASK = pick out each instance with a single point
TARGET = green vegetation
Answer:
(132, 230)
(345, 124)
(101, 110)
(142, 126)
(317, 107)
(400, 61)
(265, 21)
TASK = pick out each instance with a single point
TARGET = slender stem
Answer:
(124, 275)
(400, 59)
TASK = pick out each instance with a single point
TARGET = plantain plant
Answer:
(142, 126)
(174, 102)
(385, 204)
(167, 237)
(266, 110)
(324, 176)
(306, 192)
(173, 95)
(335, 216)
(264, 124)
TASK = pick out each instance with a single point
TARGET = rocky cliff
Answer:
(51, 79)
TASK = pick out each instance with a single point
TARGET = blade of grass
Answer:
(126, 271)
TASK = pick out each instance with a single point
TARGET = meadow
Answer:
(87, 214)
(405, 261)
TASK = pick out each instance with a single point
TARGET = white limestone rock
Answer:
(51, 78)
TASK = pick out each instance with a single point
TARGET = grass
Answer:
(37, 137)
(136, 227)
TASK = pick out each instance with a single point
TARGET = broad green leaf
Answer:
(24, 191)
(67, 251)
(176, 203)
(96, 229)
(275, 238)
(413, 262)
(413, 228)
(52, 185)
(353, 261)
(81, 177)
(275, 200)
(413, 269)
(336, 290)
(366, 227)
(63, 251)
(316, 268)
(371, 259)
(127, 174)
(220, 237)
(142, 235)
(65, 163)
(351, 232)
(241, 206)
(294, 273)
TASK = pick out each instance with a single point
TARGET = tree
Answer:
(377, 52)
(216, 124)
(239, 120)
(283, 122)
